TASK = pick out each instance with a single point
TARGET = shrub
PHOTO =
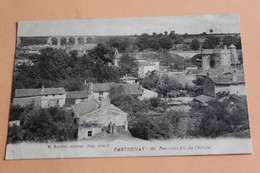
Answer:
(15, 134)
(44, 124)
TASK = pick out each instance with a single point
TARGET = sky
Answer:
(191, 24)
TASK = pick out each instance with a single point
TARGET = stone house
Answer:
(101, 90)
(96, 116)
(75, 97)
(231, 83)
(145, 67)
(44, 97)
(208, 88)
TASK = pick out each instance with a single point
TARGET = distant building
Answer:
(208, 88)
(145, 67)
(14, 123)
(96, 116)
(215, 59)
(229, 83)
(129, 79)
(44, 97)
(101, 90)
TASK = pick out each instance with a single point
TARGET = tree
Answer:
(165, 42)
(104, 52)
(150, 81)
(173, 35)
(195, 44)
(142, 41)
(228, 40)
(128, 65)
(121, 43)
(211, 42)
(211, 31)
(44, 124)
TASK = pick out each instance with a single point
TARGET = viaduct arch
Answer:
(68, 40)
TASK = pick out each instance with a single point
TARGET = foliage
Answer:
(156, 126)
(195, 44)
(172, 60)
(104, 52)
(15, 134)
(151, 81)
(67, 70)
(122, 44)
(165, 42)
(128, 66)
(128, 103)
(228, 40)
(211, 42)
(44, 124)
(222, 116)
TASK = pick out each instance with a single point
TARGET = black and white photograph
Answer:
(128, 87)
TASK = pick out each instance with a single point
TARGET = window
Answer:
(89, 133)
(101, 93)
(53, 94)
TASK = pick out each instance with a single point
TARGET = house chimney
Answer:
(234, 78)
(110, 128)
(114, 130)
(126, 125)
(104, 101)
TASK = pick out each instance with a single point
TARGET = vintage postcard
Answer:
(146, 86)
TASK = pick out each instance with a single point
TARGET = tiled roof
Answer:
(53, 91)
(130, 89)
(77, 94)
(126, 88)
(27, 92)
(27, 101)
(203, 98)
(38, 92)
(91, 112)
(225, 80)
(102, 87)
(86, 107)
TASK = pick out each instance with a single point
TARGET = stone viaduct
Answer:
(68, 40)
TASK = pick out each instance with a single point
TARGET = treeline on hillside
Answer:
(56, 68)
(156, 41)
(172, 41)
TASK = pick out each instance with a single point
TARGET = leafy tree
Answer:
(211, 31)
(154, 44)
(143, 41)
(121, 43)
(104, 52)
(165, 42)
(173, 35)
(53, 123)
(228, 40)
(195, 44)
(151, 81)
(211, 42)
(128, 65)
